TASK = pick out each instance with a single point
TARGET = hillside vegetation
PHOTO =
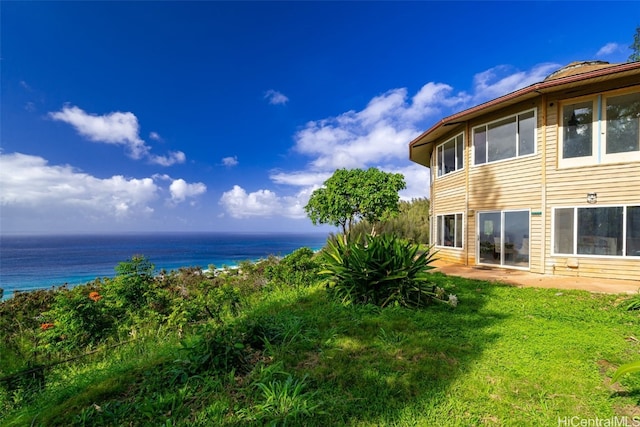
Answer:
(269, 344)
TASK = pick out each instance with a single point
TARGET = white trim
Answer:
(599, 132)
(438, 232)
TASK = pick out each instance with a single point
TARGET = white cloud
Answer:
(155, 136)
(181, 190)
(380, 132)
(503, 79)
(30, 181)
(262, 203)
(39, 196)
(116, 128)
(239, 204)
(230, 161)
(300, 178)
(275, 98)
(609, 49)
(171, 159)
(378, 135)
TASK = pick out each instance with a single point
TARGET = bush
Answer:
(383, 270)
(299, 268)
(78, 317)
(134, 281)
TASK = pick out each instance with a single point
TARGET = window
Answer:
(503, 238)
(602, 231)
(450, 155)
(600, 129)
(623, 118)
(505, 139)
(577, 132)
(449, 230)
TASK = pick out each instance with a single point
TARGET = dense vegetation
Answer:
(411, 223)
(266, 344)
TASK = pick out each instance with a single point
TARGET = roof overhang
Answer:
(420, 148)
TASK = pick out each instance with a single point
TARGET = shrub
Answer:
(383, 270)
(131, 287)
(78, 317)
(299, 268)
(632, 303)
(221, 350)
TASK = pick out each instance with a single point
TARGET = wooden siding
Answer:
(615, 184)
(537, 184)
(450, 255)
(591, 266)
(512, 184)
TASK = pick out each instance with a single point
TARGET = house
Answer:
(544, 179)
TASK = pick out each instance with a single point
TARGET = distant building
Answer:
(544, 179)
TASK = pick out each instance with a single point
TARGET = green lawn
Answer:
(503, 356)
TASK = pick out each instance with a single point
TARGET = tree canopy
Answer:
(351, 195)
(635, 46)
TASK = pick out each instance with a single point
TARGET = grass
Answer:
(505, 356)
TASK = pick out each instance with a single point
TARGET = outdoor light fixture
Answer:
(592, 198)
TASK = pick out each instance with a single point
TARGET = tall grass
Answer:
(291, 355)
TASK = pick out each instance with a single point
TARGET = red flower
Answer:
(95, 296)
(46, 326)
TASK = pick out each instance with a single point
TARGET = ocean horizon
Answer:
(30, 262)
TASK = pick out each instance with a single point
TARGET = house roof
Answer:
(572, 75)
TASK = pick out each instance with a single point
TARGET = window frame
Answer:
(599, 131)
(622, 156)
(576, 237)
(440, 147)
(439, 230)
(583, 160)
(503, 240)
(516, 141)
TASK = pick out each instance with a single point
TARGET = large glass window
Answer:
(526, 133)
(577, 121)
(449, 230)
(623, 121)
(450, 155)
(502, 138)
(563, 231)
(597, 231)
(480, 145)
(600, 231)
(505, 139)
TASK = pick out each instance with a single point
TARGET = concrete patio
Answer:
(526, 279)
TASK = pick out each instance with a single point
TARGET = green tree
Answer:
(635, 46)
(412, 222)
(133, 283)
(351, 195)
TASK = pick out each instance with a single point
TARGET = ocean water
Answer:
(38, 262)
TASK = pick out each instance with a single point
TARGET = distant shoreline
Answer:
(49, 261)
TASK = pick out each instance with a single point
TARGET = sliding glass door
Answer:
(503, 238)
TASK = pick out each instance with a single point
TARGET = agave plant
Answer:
(383, 270)
(627, 368)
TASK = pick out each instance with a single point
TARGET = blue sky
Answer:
(215, 116)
